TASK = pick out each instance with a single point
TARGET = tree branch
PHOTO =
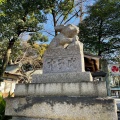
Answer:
(72, 17)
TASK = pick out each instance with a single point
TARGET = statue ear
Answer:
(59, 28)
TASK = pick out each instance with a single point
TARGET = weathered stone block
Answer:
(62, 89)
(89, 89)
(62, 77)
(61, 64)
(101, 88)
(70, 89)
(62, 108)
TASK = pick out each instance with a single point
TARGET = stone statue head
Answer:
(69, 30)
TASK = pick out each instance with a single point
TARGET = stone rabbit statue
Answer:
(67, 36)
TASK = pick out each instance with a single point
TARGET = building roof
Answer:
(12, 68)
(99, 74)
(92, 56)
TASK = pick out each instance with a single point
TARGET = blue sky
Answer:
(49, 27)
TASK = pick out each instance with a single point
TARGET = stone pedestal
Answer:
(61, 108)
(65, 91)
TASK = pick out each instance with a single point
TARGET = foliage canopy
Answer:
(16, 17)
(100, 30)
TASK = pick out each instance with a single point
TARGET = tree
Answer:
(60, 11)
(16, 17)
(116, 57)
(30, 59)
(100, 30)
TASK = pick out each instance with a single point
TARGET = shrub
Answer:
(2, 109)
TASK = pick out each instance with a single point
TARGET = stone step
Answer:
(62, 89)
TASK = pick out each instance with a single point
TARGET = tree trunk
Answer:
(6, 57)
(99, 38)
(54, 20)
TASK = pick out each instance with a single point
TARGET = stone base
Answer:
(61, 108)
(62, 77)
(87, 88)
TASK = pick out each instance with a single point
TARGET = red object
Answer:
(115, 69)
